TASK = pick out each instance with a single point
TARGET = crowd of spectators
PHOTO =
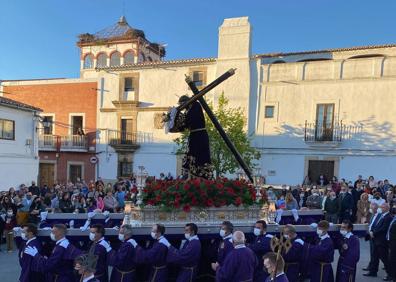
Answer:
(339, 199)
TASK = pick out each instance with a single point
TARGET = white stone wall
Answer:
(18, 162)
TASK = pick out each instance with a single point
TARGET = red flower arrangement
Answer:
(200, 193)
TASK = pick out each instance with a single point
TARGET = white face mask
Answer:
(319, 232)
(379, 210)
(91, 236)
(187, 236)
(343, 232)
(287, 237)
(121, 237)
(222, 233)
(371, 210)
(23, 236)
(256, 231)
(10, 214)
(52, 236)
(153, 235)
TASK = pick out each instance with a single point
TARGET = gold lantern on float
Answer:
(271, 212)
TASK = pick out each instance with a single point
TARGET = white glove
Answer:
(91, 215)
(164, 242)
(43, 215)
(86, 225)
(106, 245)
(106, 213)
(3, 216)
(279, 214)
(47, 228)
(71, 223)
(313, 225)
(295, 214)
(16, 229)
(331, 224)
(116, 228)
(31, 251)
(133, 242)
(64, 244)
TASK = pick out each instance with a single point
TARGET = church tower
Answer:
(117, 45)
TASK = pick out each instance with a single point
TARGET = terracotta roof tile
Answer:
(160, 63)
(325, 50)
(15, 104)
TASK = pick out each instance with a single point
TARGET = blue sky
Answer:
(37, 37)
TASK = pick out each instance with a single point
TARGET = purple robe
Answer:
(59, 266)
(25, 261)
(238, 266)
(225, 248)
(321, 256)
(349, 249)
(102, 272)
(279, 278)
(156, 258)
(123, 263)
(187, 258)
(293, 259)
(261, 246)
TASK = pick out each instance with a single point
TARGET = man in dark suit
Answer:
(346, 204)
(381, 252)
(391, 237)
(375, 216)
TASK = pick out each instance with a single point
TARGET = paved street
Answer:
(9, 267)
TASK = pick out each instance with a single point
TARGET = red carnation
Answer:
(209, 202)
(158, 198)
(238, 201)
(186, 187)
(186, 208)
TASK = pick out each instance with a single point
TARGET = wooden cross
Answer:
(279, 246)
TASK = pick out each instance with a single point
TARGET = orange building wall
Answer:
(60, 99)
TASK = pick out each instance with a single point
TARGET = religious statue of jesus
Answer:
(197, 162)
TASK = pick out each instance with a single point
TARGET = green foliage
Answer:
(233, 121)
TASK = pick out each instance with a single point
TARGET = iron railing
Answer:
(69, 142)
(116, 137)
(329, 132)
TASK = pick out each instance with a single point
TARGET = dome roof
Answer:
(117, 31)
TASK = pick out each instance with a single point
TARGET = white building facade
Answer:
(324, 112)
(19, 160)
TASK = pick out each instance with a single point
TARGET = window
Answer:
(48, 123)
(198, 78)
(324, 122)
(129, 58)
(7, 129)
(77, 125)
(128, 84)
(115, 59)
(101, 61)
(269, 111)
(75, 172)
(125, 165)
(88, 61)
(127, 136)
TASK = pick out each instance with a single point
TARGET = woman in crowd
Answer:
(291, 203)
(65, 203)
(6, 204)
(35, 209)
(363, 207)
(100, 203)
(110, 202)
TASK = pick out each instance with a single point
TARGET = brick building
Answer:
(67, 130)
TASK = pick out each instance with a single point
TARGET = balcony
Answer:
(333, 134)
(125, 141)
(78, 143)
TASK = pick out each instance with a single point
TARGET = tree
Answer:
(233, 121)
